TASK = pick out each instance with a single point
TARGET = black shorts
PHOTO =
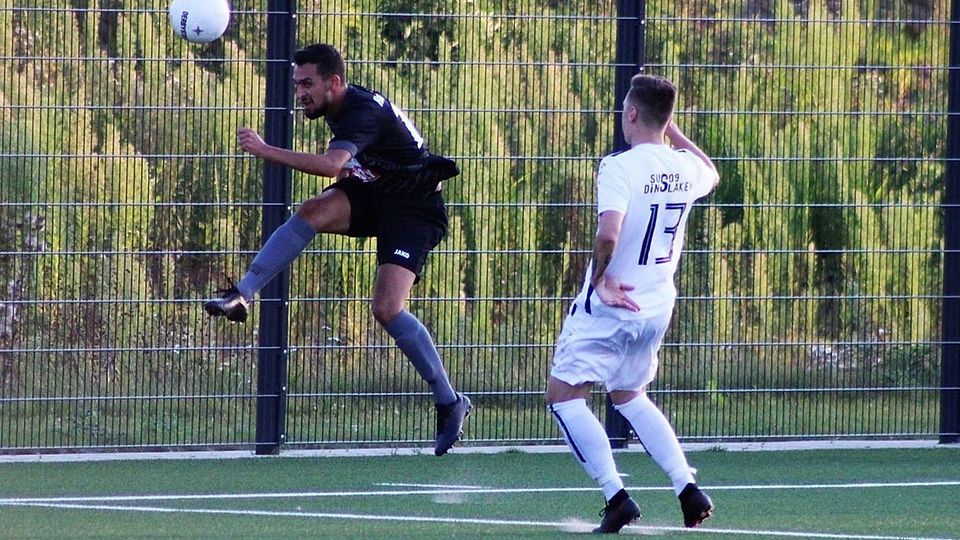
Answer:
(406, 227)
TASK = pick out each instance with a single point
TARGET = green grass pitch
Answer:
(868, 494)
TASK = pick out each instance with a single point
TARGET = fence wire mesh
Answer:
(810, 287)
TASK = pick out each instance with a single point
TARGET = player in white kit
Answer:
(617, 322)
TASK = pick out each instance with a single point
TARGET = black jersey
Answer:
(386, 146)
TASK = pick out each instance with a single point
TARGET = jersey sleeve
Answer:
(360, 128)
(703, 184)
(613, 191)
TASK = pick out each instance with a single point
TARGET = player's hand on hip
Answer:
(250, 141)
(613, 293)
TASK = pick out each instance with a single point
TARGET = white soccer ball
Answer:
(199, 21)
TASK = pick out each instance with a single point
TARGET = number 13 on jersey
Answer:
(672, 212)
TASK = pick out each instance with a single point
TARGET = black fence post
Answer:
(631, 25)
(950, 356)
(631, 34)
(278, 131)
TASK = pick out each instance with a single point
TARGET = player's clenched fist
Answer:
(250, 141)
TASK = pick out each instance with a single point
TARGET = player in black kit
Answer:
(388, 186)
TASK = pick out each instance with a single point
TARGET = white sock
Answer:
(589, 443)
(658, 437)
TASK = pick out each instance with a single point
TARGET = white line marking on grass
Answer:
(471, 521)
(428, 451)
(288, 495)
(834, 486)
(459, 491)
(794, 534)
(439, 486)
(280, 513)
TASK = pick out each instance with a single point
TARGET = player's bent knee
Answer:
(385, 312)
(311, 211)
(326, 213)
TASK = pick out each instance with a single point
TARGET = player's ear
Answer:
(336, 80)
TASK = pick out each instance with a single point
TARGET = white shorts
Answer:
(620, 354)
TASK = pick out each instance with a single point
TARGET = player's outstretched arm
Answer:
(328, 164)
(680, 141)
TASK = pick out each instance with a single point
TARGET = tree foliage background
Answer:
(814, 269)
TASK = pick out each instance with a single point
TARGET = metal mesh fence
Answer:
(120, 184)
(521, 99)
(812, 278)
(810, 286)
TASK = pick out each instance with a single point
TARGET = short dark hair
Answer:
(326, 57)
(654, 98)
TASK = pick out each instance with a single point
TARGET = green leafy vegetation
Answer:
(124, 200)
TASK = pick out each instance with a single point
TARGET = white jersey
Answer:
(654, 187)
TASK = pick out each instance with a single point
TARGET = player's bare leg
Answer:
(389, 299)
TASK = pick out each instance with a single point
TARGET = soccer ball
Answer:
(199, 21)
